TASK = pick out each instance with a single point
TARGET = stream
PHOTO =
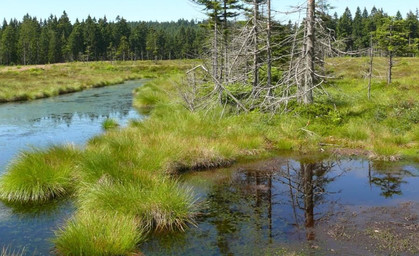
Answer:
(71, 118)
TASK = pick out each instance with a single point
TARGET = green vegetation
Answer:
(95, 234)
(40, 175)
(388, 124)
(109, 123)
(56, 40)
(34, 82)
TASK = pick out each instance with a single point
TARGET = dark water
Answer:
(260, 208)
(71, 118)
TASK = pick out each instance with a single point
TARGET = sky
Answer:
(166, 10)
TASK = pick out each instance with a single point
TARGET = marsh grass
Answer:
(93, 233)
(42, 81)
(109, 123)
(40, 175)
(159, 204)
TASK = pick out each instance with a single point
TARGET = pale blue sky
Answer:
(164, 10)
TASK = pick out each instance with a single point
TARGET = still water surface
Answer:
(289, 202)
(71, 118)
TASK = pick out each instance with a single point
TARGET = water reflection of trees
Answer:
(249, 205)
(388, 180)
(68, 118)
(265, 205)
(307, 188)
(83, 105)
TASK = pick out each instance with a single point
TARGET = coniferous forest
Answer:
(53, 40)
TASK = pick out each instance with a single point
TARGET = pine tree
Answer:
(91, 37)
(412, 26)
(398, 16)
(213, 9)
(64, 29)
(120, 29)
(392, 38)
(75, 43)
(8, 44)
(344, 29)
(28, 48)
(123, 49)
(43, 44)
(105, 37)
(151, 44)
(358, 32)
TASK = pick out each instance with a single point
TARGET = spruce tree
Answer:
(344, 29)
(392, 38)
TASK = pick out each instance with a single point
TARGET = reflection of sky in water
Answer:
(71, 118)
(252, 210)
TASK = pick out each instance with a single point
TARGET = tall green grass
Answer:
(158, 203)
(40, 175)
(92, 233)
(109, 123)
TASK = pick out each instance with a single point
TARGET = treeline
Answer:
(52, 40)
(356, 31)
(33, 41)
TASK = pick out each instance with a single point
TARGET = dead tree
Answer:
(269, 48)
(244, 87)
(371, 51)
(255, 42)
(309, 75)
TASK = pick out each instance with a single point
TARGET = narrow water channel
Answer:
(71, 118)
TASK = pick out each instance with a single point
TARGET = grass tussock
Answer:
(109, 123)
(92, 233)
(40, 175)
(160, 204)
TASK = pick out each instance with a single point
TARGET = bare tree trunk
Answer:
(390, 59)
(270, 205)
(307, 172)
(390, 67)
(215, 52)
(225, 42)
(309, 54)
(370, 69)
(255, 41)
(269, 48)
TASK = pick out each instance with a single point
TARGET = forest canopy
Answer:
(53, 40)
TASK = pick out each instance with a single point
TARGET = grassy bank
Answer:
(22, 83)
(343, 120)
(128, 174)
